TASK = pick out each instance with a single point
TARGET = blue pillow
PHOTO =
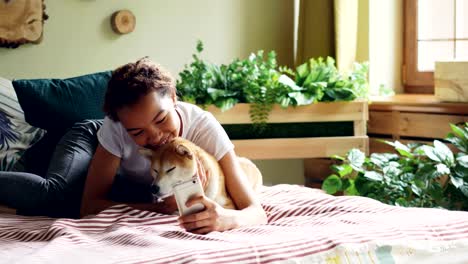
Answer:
(56, 104)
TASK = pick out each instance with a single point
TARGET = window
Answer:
(435, 30)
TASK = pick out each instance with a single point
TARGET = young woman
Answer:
(142, 111)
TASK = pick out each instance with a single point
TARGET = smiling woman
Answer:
(21, 22)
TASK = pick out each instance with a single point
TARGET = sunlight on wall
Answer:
(362, 53)
(385, 44)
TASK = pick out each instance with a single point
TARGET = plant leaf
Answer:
(403, 149)
(226, 104)
(461, 171)
(337, 157)
(436, 191)
(343, 170)
(332, 184)
(351, 190)
(284, 79)
(456, 181)
(461, 144)
(372, 175)
(442, 169)
(416, 189)
(199, 46)
(301, 98)
(356, 159)
(392, 170)
(302, 72)
(458, 131)
(463, 161)
(401, 202)
(430, 153)
(380, 159)
(444, 153)
(464, 189)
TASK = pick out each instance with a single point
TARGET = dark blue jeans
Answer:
(58, 193)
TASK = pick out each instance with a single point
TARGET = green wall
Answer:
(78, 38)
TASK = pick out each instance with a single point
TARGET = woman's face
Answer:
(152, 121)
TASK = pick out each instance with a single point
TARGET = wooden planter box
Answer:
(304, 147)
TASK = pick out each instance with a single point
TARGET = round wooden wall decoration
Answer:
(123, 21)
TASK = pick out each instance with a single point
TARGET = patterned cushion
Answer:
(16, 135)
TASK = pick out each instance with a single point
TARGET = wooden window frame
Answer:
(414, 81)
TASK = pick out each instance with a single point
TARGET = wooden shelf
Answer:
(421, 103)
(412, 117)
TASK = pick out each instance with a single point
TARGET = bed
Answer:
(305, 225)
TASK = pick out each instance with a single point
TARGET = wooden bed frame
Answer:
(301, 148)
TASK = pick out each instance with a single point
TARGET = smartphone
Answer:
(185, 190)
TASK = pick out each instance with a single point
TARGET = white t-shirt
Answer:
(198, 126)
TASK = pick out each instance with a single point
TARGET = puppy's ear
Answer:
(183, 151)
(148, 153)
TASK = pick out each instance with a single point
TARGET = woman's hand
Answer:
(213, 218)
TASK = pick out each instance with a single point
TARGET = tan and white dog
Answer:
(180, 160)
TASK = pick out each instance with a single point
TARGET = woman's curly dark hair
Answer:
(134, 80)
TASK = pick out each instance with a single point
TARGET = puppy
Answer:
(180, 160)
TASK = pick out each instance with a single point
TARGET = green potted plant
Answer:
(262, 83)
(418, 175)
(254, 98)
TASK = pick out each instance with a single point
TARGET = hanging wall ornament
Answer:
(21, 21)
(123, 21)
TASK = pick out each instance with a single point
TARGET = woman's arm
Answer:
(216, 218)
(240, 189)
(101, 173)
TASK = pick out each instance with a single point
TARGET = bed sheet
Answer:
(304, 226)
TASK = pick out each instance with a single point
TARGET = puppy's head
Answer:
(170, 163)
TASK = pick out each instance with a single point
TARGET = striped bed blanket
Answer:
(305, 226)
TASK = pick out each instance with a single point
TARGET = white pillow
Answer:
(16, 135)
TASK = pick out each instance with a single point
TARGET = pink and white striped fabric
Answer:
(305, 226)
